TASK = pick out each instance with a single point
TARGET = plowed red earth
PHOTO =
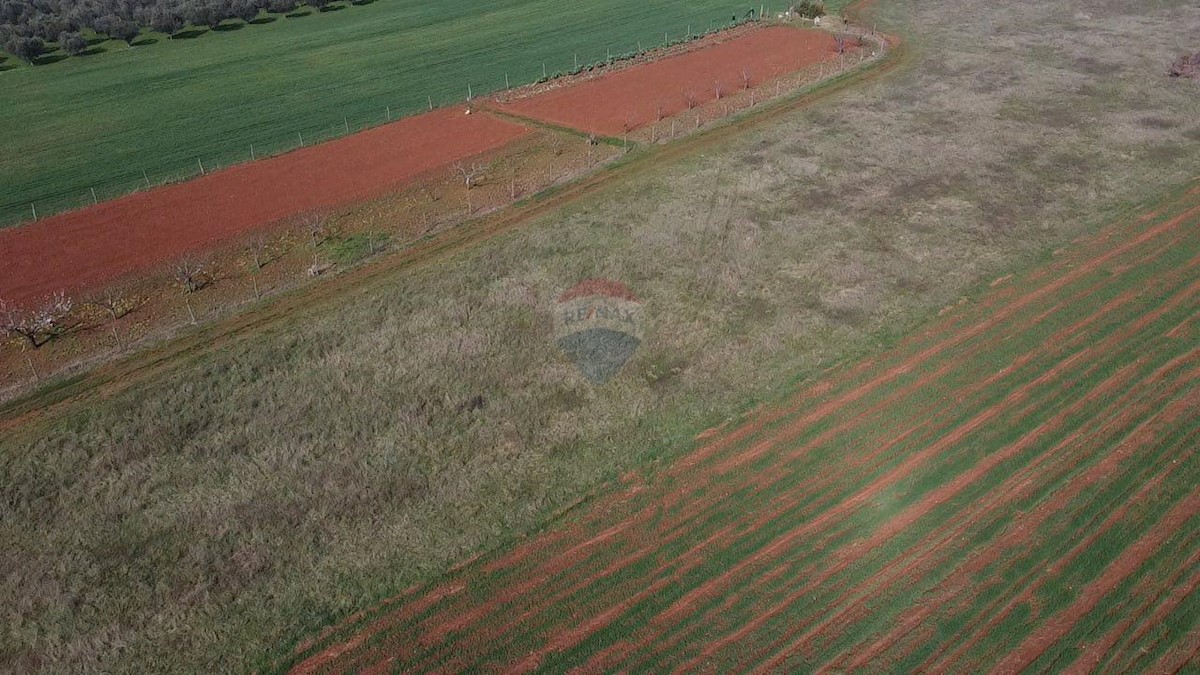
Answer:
(143, 230)
(628, 99)
(1014, 488)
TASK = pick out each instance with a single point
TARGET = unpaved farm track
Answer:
(1015, 487)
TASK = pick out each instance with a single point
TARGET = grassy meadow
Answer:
(209, 520)
(99, 121)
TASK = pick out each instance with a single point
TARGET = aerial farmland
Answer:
(516, 336)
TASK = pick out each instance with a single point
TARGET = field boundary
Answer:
(104, 380)
(282, 144)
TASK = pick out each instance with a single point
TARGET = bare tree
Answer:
(192, 275)
(690, 99)
(840, 40)
(260, 251)
(746, 80)
(39, 325)
(659, 115)
(317, 227)
(113, 301)
(718, 89)
(472, 174)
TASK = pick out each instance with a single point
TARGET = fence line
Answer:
(150, 176)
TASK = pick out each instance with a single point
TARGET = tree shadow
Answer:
(332, 8)
(49, 58)
(92, 42)
(226, 27)
(360, 3)
(261, 20)
(7, 66)
(145, 42)
(189, 34)
(298, 14)
(93, 51)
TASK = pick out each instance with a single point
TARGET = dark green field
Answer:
(101, 120)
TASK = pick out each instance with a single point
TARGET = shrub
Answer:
(166, 21)
(25, 48)
(809, 9)
(72, 43)
(125, 31)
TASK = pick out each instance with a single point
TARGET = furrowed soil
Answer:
(999, 478)
(621, 102)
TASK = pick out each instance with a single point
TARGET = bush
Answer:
(245, 10)
(282, 6)
(166, 21)
(809, 9)
(25, 48)
(125, 31)
(72, 43)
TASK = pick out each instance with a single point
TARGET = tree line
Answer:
(28, 28)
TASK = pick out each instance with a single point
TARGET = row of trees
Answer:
(28, 26)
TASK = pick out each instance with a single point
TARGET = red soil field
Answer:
(626, 100)
(138, 232)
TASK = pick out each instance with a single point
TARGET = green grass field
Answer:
(100, 121)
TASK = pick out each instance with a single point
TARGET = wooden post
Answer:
(29, 360)
(506, 85)
(544, 69)
(469, 94)
(346, 122)
(146, 177)
(430, 98)
(34, 209)
(201, 166)
(94, 200)
(389, 113)
(301, 137)
(576, 60)
(252, 157)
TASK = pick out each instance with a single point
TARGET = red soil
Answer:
(1116, 572)
(626, 100)
(141, 231)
